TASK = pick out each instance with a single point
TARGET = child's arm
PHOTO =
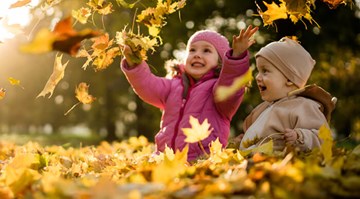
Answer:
(243, 41)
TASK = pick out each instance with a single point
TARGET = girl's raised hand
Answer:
(128, 53)
(243, 41)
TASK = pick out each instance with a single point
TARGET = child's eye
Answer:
(192, 50)
(207, 50)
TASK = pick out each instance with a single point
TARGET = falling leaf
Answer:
(41, 43)
(273, 12)
(224, 92)
(2, 93)
(20, 3)
(82, 94)
(55, 77)
(15, 82)
(154, 18)
(101, 6)
(64, 38)
(334, 3)
(198, 131)
(81, 15)
(124, 4)
(327, 143)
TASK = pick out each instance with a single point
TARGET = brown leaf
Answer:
(67, 39)
(56, 76)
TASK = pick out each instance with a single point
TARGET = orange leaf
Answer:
(67, 39)
(2, 93)
(20, 3)
(56, 76)
(82, 93)
(273, 12)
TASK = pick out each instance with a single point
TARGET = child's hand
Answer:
(242, 42)
(128, 54)
(290, 137)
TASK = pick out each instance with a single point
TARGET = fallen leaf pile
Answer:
(132, 169)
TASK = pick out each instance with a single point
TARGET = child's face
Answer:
(201, 58)
(273, 85)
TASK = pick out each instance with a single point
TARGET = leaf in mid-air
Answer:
(273, 12)
(327, 143)
(224, 92)
(20, 3)
(15, 82)
(81, 15)
(2, 93)
(82, 93)
(64, 38)
(198, 131)
(55, 77)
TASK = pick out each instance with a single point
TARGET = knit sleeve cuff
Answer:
(230, 52)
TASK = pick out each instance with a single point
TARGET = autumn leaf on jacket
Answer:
(55, 77)
(63, 38)
(198, 131)
(224, 92)
(2, 93)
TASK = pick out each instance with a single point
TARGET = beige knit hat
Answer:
(290, 58)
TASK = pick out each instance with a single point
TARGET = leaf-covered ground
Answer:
(130, 169)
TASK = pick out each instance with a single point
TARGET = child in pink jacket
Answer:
(191, 93)
(292, 113)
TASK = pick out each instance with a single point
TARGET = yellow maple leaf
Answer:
(273, 12)
(198, 131)
(224, 92)
(55, 77)
(81, 15)
(42, 42)
(139, 44)
(327, 143)
(171, 167)
(2, 93)
(15, 82)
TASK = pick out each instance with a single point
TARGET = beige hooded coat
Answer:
(305, 111)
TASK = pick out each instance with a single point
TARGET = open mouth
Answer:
(197, 64)
(262, 88)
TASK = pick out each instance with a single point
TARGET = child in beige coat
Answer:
(291, 113)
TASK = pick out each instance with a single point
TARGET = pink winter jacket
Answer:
(166, 94)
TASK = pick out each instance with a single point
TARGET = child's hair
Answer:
(290, 58)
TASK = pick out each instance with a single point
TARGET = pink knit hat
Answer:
(218, 41)
(290, 58)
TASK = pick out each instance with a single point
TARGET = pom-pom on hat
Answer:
(290, 58)
(217, 40)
